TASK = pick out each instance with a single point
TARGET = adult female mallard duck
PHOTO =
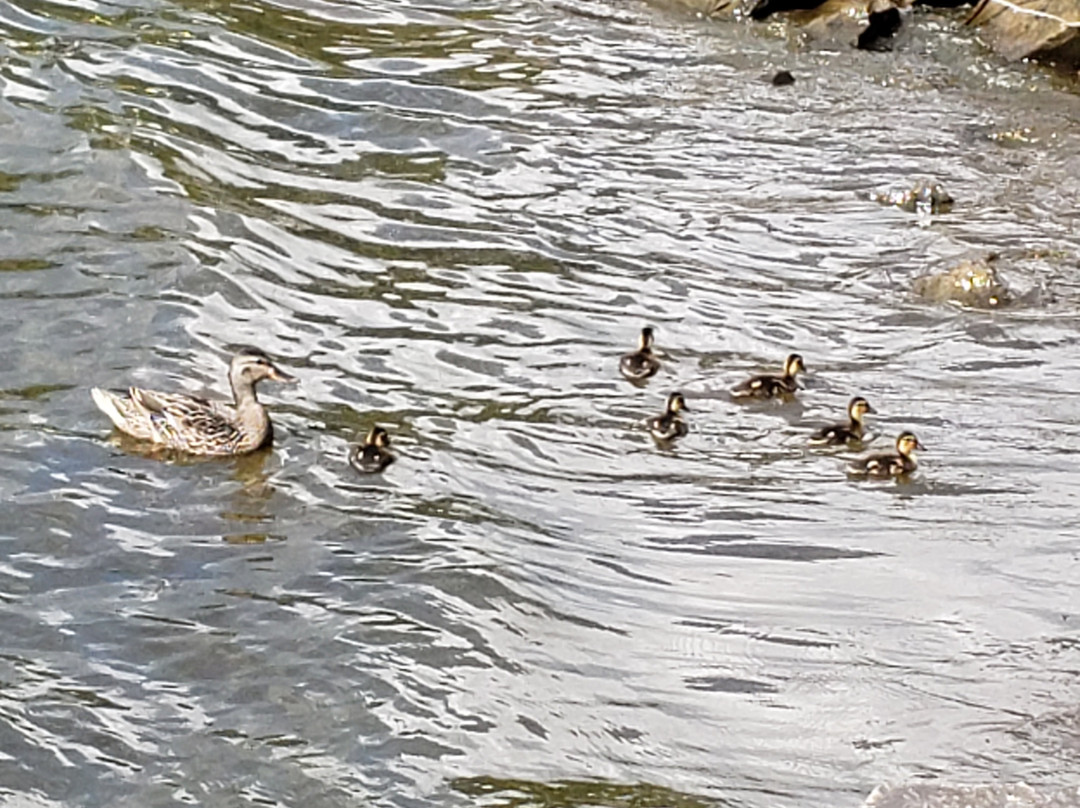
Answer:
(669, 424)
(849, 433)
(772, 386)
(373, 454)
(194, 425)
(640, 364)
(889, 465)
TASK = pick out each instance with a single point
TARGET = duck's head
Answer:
(250, 366)
(793, 364)
(858, 407)
(676, 403)
(907, 443)
(379, 437)
(645, 341)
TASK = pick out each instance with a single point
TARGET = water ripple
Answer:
(451, 220)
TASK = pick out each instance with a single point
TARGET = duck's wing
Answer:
(667, 427)
(832, 435)
(124, 413)
(637, 366)
(370, 459)
(188, 423)
(754, 386)
(880, 465)
(766, 386)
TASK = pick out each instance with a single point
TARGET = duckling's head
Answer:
(858, 407)
(676, 403)
(793, 364)
(251, 365)
(377, 436)
(645, 341)
(907, 443)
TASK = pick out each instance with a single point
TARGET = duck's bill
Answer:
(281, 376)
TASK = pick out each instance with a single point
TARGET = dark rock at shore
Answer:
(763, 9)
(1048, 30)
(880, 27)
(867, 24)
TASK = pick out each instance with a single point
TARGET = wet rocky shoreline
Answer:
(1043, 30)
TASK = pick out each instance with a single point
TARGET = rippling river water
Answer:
(452, 218)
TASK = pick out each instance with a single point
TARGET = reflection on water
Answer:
(451, 220)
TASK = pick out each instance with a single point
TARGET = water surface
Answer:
(451, 219)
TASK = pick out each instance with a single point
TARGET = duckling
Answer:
(374, 454)
(194, 425)
(889, 465)
(670, 425)
(772, 386)
(640, 364)
(849, 433)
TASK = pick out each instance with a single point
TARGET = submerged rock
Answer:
(923, 197)
(973, 282)
(1018, 29)
(701, 8)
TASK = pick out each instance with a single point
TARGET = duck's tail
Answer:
(109, 404)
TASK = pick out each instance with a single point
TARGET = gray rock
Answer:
(974, 282)
(1018, 29)
(923, 197)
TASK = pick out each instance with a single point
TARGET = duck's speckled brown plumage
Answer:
(195, 425)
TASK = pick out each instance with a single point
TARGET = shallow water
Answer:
(451, 219)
